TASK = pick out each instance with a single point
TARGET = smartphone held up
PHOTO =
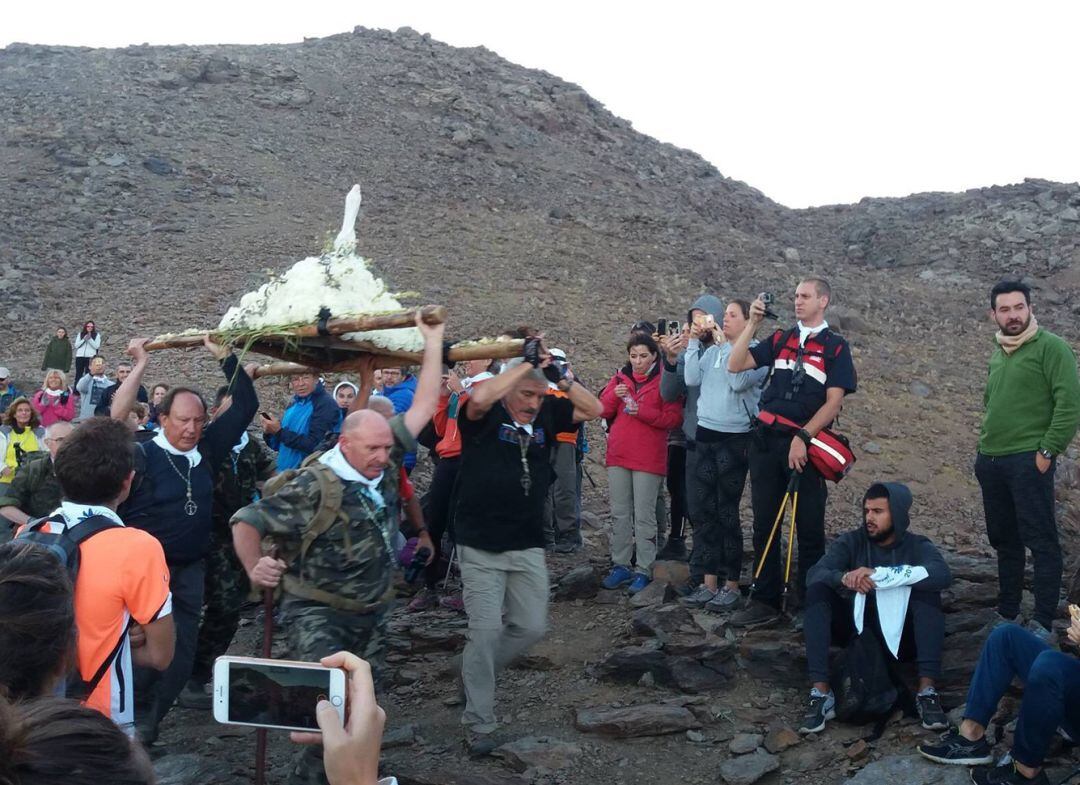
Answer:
(280, 694)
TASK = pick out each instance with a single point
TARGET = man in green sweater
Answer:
(1032, 405)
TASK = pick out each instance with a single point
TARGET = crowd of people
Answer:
(143, 518)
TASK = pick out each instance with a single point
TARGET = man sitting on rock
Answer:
(1051, 704)
(893, 579)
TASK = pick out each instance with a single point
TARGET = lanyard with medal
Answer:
(523, 444)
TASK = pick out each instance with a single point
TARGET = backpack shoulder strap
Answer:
(86, 529)
(330, 495)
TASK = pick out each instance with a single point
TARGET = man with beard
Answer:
(885, 581)
(1032, 402)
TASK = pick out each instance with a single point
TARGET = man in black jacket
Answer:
(868, 574)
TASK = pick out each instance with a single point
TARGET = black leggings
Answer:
(440, 495)
(676, 486)
(717, 485)
(82, 365)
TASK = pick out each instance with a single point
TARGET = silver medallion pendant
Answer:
(191, 507)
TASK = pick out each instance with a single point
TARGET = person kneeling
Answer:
(1051, 704)
(883, 572)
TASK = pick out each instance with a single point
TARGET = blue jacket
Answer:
(13, 392)
(401, 395)
(303, 427)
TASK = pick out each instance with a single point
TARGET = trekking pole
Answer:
(795, 476)
(267, 650)
(772, 535)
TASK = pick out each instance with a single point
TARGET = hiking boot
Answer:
(424, 600)
(619, 576)
(954, 749)
(674, 550)
(1006, 775)
(195, 696)
(453, 602)
(819, 710)
(1046, 636)
(725, 601)
(928, 704)
(641, 580)
(755, 614)
(698, 598)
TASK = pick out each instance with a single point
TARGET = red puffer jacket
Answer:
(639, 441)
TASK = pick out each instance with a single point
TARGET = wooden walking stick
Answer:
(267, 650)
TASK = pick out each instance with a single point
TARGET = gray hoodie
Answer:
(726, 401)
(672, 381)
(853, 549)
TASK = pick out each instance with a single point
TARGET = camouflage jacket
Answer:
(237, 482)
(34, 489)
(352, 560)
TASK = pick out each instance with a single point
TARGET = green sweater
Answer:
(1032, 398)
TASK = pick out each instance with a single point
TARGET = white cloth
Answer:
(193, 455)
(343, 469)
(805, 332)
(471, 380)
(893, 590)
(74, 514)
(240, 445)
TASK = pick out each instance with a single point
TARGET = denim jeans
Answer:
(1051, 690)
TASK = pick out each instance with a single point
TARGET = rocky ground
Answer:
(147, 188)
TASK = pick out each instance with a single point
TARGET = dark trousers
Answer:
(155, 692)
(1051, 682)
(829, 620)
(226, 588)
(440, 496)
(1019, 504)
(769, 475)
(717, 486)
(82, 365)
(677, 488)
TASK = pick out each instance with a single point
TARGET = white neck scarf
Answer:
(343, 469)
(54, 393)
(805, 332)
(240, 445)
(470, 381)
(74, 514)
(192, 455)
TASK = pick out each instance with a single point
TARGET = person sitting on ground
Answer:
(312, 414)
(87, 346)
(881, 572)
(35, 492)
(1051, 704)
(506, 429)
(20, 434)
(123, 371)
(8, 391)
(55, 401)
(123, 606)
(172, 499)
(725, 406)
(92, 387)
(58, 353)
(636, 459)
(157, 395)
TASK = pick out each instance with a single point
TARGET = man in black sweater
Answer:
(867, 574)
(172, 498)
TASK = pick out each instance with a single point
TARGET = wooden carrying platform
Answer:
(320, 347)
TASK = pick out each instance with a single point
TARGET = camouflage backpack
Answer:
(328, 514)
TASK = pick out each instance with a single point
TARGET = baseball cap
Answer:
(558, 354)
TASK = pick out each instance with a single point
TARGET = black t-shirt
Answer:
(492, 512)
(801, 375)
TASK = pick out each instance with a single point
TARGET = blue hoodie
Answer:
(303, 427)
(401, 395)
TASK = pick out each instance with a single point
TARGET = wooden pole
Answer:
(343, 363)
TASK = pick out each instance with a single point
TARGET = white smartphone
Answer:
(275, 693)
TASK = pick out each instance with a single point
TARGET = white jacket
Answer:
(88, 346)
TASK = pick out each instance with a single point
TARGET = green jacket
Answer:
(57, 355)
(34, 489)
(1032, 398)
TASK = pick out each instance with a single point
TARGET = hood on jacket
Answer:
(709, 304)
(899, 506)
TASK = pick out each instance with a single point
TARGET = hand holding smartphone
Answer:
(280, 694)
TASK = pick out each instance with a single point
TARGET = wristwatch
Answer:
(1046, 454)
(805, 436)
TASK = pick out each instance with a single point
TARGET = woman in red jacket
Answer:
(639, 421)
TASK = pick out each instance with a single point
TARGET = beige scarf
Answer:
(1010, 343)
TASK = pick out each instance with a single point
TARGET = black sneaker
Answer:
(819, 709)
(674, 550)
(930, 711)
(755, 614)
(955, 749)
(1005, 775)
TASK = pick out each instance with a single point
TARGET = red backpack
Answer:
(829, 452)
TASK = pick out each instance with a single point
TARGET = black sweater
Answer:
(159, 494)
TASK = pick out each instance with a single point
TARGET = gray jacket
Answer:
(672, 379)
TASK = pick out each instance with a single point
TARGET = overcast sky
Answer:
(810, 102)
